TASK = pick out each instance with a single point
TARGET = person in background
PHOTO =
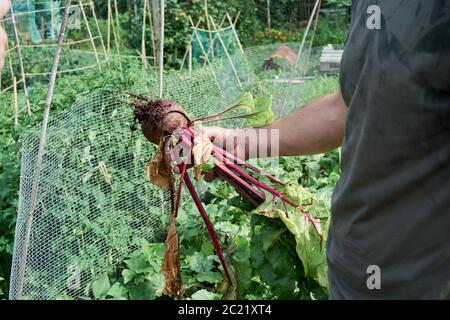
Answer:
(4, 8)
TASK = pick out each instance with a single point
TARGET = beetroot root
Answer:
(158, 118)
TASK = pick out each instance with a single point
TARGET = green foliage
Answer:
(274, 259)
(267, 255)
(289, 17)
(329, 32)
(309, 239)
(68, 89)
(339, 4)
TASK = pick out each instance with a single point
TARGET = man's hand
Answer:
(4, 8)
(316, 128)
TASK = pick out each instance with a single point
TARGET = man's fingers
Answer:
(5, 5)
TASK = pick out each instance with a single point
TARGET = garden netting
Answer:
(94, 204)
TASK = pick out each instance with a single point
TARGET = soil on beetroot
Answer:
(158, 117)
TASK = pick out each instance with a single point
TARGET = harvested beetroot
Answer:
(158, 120)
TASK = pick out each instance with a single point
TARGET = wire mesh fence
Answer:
(94, 205)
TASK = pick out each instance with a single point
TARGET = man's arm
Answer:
(316, 128)
(4, 8)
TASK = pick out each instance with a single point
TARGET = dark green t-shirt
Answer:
(391, 207)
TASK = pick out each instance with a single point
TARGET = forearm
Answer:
(316, 128)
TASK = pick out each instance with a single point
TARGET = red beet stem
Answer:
(261, 185)
(238, 188)
(167, 148)
(256, 182)
(215, 115)
(209, 227)
(219, 153)
(240, 185)
(259, 171)
(234, 159)
(180, 187)
(244, 184)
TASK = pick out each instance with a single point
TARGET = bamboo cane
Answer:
(226, 53)
(94, 15)
(15, 102)
(308, 56)
(116, 9)
(116, 40)
(215, 34)
(108, 40)
(83, 12)
(202, 49)
(209, 29)
(299, 54)
(161, 52)
(233, 25)
(156, 25)
(190, 43)
(143, 49)
(21, 65)
(152, 32)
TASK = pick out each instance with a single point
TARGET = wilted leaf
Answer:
(171, 263)
(202, 151)
(156, 169)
